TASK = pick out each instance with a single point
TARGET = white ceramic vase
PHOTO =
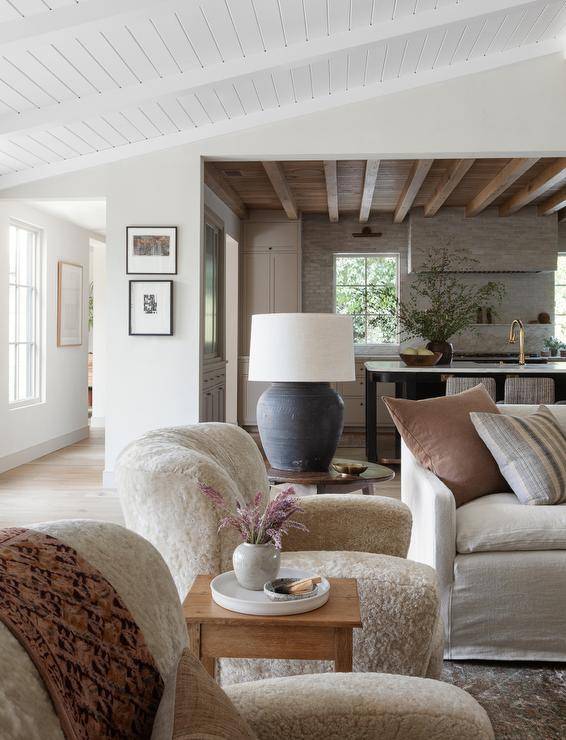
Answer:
(254, 565)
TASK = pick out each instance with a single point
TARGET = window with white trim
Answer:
(24, 306)
(366, 287)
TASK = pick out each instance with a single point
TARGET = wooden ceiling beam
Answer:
(512, 171)
(331, 177)
(551, 176)
(447, 185)
(562, 215)
(554, 203)
(220, 185)
(417, 176)
(277, 178)
(370, 178)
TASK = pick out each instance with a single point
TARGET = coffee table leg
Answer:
(195, 647)
(343, 650)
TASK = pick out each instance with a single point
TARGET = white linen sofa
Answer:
(501, 565)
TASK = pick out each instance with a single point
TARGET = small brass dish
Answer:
(349, 468)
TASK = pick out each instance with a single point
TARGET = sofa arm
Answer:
(433, 539)
(359, 705)
(352, 522)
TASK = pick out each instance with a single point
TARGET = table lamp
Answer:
(300, 417)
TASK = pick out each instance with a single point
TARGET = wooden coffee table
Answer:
(331, 481)
(323, 634)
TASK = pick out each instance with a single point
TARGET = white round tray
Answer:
(226, 592)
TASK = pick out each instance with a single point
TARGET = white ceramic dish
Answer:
(226, 592)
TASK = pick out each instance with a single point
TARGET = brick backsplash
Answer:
(526, 294)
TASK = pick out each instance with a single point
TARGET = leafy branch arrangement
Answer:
(450, 302)
(256, 524)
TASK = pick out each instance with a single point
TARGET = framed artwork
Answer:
(69, 304)
(151, 250)
(151, 308)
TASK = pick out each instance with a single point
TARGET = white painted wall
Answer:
(513, 111)
(99, 338)
(62, 418)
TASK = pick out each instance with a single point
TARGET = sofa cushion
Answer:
(530, 452)
(499, 522)
(441, 436)
(202, 709)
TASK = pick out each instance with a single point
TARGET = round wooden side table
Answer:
(331, 481)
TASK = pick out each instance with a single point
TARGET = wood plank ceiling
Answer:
(90, 81)
(395, 186)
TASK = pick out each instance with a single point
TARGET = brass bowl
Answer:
(349, 468)
(421, 360)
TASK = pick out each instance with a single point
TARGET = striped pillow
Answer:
(530, 452)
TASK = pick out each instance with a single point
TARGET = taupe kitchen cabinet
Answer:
(213, 392)
(270, 282)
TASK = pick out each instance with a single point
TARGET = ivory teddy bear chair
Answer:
(365, 707)
(362, 537)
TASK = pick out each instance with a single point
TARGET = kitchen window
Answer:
(560, 298)
(24, 305)
(366, 287)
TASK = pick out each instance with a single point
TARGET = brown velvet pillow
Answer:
(440, 434)
(202, 709)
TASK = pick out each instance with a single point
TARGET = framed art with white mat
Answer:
(151, 308)
(69, 304)
(151, 250)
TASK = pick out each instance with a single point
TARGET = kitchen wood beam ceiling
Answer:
(369, 187)
(331, 178)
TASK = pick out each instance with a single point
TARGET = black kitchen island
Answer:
(425, 382)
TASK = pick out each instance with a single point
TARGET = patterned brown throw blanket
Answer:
(83, 640)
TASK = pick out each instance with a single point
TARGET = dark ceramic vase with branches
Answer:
(442, 302)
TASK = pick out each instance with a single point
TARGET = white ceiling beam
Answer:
(331, 177)
(287, 112)
(58, 24)
(552, 175)
(181, 83)
(417, 176)
(512, 171)
(277, 178)
(447, 185)
(370, 178)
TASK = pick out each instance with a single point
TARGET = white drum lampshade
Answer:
(302, 348)
(300, 417)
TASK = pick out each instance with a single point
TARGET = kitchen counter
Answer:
(426, 382)
(469, 368)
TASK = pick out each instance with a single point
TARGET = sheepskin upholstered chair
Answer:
(350, 536)
(366, 707)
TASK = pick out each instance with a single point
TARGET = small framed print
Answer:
(69, 304)
(151, 308)
(151, 250)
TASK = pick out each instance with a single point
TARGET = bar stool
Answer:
(529, 390)
(464, 383)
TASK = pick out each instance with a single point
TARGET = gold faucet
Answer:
(512, 338)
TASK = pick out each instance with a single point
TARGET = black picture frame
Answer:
(151, 272)
(150, 334)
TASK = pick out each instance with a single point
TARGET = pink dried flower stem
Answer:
(254, 527)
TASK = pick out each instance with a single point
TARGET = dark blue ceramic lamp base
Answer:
(300, 425)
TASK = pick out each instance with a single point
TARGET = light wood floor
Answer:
(67, 484)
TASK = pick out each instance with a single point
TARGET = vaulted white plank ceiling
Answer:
(87, 81)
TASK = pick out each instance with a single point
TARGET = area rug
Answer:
(525, 701)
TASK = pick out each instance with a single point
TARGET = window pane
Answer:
(382, 330)
(25, 308)
(350, 270)
(560, 327)
(382, 271)
(561, 271)
(350, 300)
(211, 291)
(22, 370)
(12, 313)
(359, 323)
(12, 373)
(12, 255)
(560, 299)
